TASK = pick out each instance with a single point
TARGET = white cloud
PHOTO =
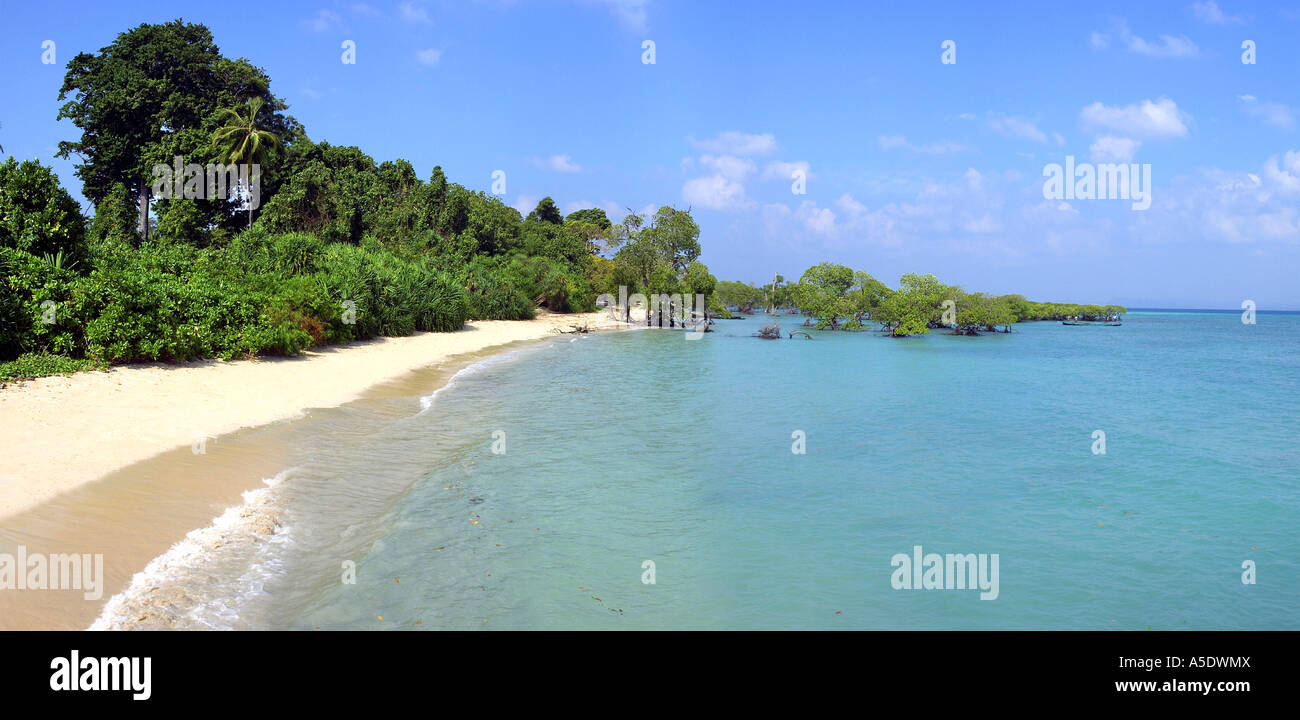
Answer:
(892, 142)
(982, 225)
(1017, 127)
(563, 163)
(724, 188)
(1274, 114)
(849, 206)
(323, 21)
(818, 220)
(556, 163)
(1003, 215)
(429, 57)
(895, 142)
(1209, 12)
(729, 166)
(716, 192)
(971, 205)
(733, 142)
(1286, 175)
(366, 10)
(1168, 46)
(526, 203)
(779, 170)
(412, 14)
(1148, 120)
(1110, 149)
(1232, 207)
(1172, 47)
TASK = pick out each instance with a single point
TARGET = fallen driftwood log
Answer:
(799, 332)
(770, 332)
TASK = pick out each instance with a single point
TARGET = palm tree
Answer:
(241, 141)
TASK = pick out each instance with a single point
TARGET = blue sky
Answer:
(912, 165)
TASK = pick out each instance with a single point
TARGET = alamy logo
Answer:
(676, 308)
(91, 673)
(933, 571)
(1107, 181)
(60, 571)
(191, 182)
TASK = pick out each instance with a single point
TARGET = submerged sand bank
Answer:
(59, 433)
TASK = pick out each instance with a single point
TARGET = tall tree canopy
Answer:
(152, 94)
(546, 212)
(655, 256)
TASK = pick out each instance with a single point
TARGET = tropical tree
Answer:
(663, 249)
(546, 212)
(915, 307)
(865, 298)
(37, 215)
(593, 226)
(771, 291)
(676, 237)
(242, 140)
(742, 295)
(820, 293)
(148, 96)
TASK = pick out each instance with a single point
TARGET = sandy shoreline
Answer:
(104, 463)
(60, 433)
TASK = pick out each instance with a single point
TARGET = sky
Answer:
(908, 163)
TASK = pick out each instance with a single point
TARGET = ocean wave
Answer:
(426, 401)
(204, 580)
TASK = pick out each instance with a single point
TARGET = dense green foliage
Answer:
(156, 92)
(659, 256)
(34, 365)
(37, 215)
(339, 248)
(835, 297)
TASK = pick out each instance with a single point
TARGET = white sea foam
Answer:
(193, 584)
(426, 402)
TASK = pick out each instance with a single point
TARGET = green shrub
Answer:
(492, 295)
(36, 214)
(113, 229)
(34, 365)
(33, 304)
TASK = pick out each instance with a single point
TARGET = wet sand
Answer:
(107, 463)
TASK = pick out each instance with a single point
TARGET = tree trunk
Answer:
(144, 212)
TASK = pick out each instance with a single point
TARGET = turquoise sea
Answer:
(623, 448)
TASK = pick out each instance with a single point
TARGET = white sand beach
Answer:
(59, 433)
